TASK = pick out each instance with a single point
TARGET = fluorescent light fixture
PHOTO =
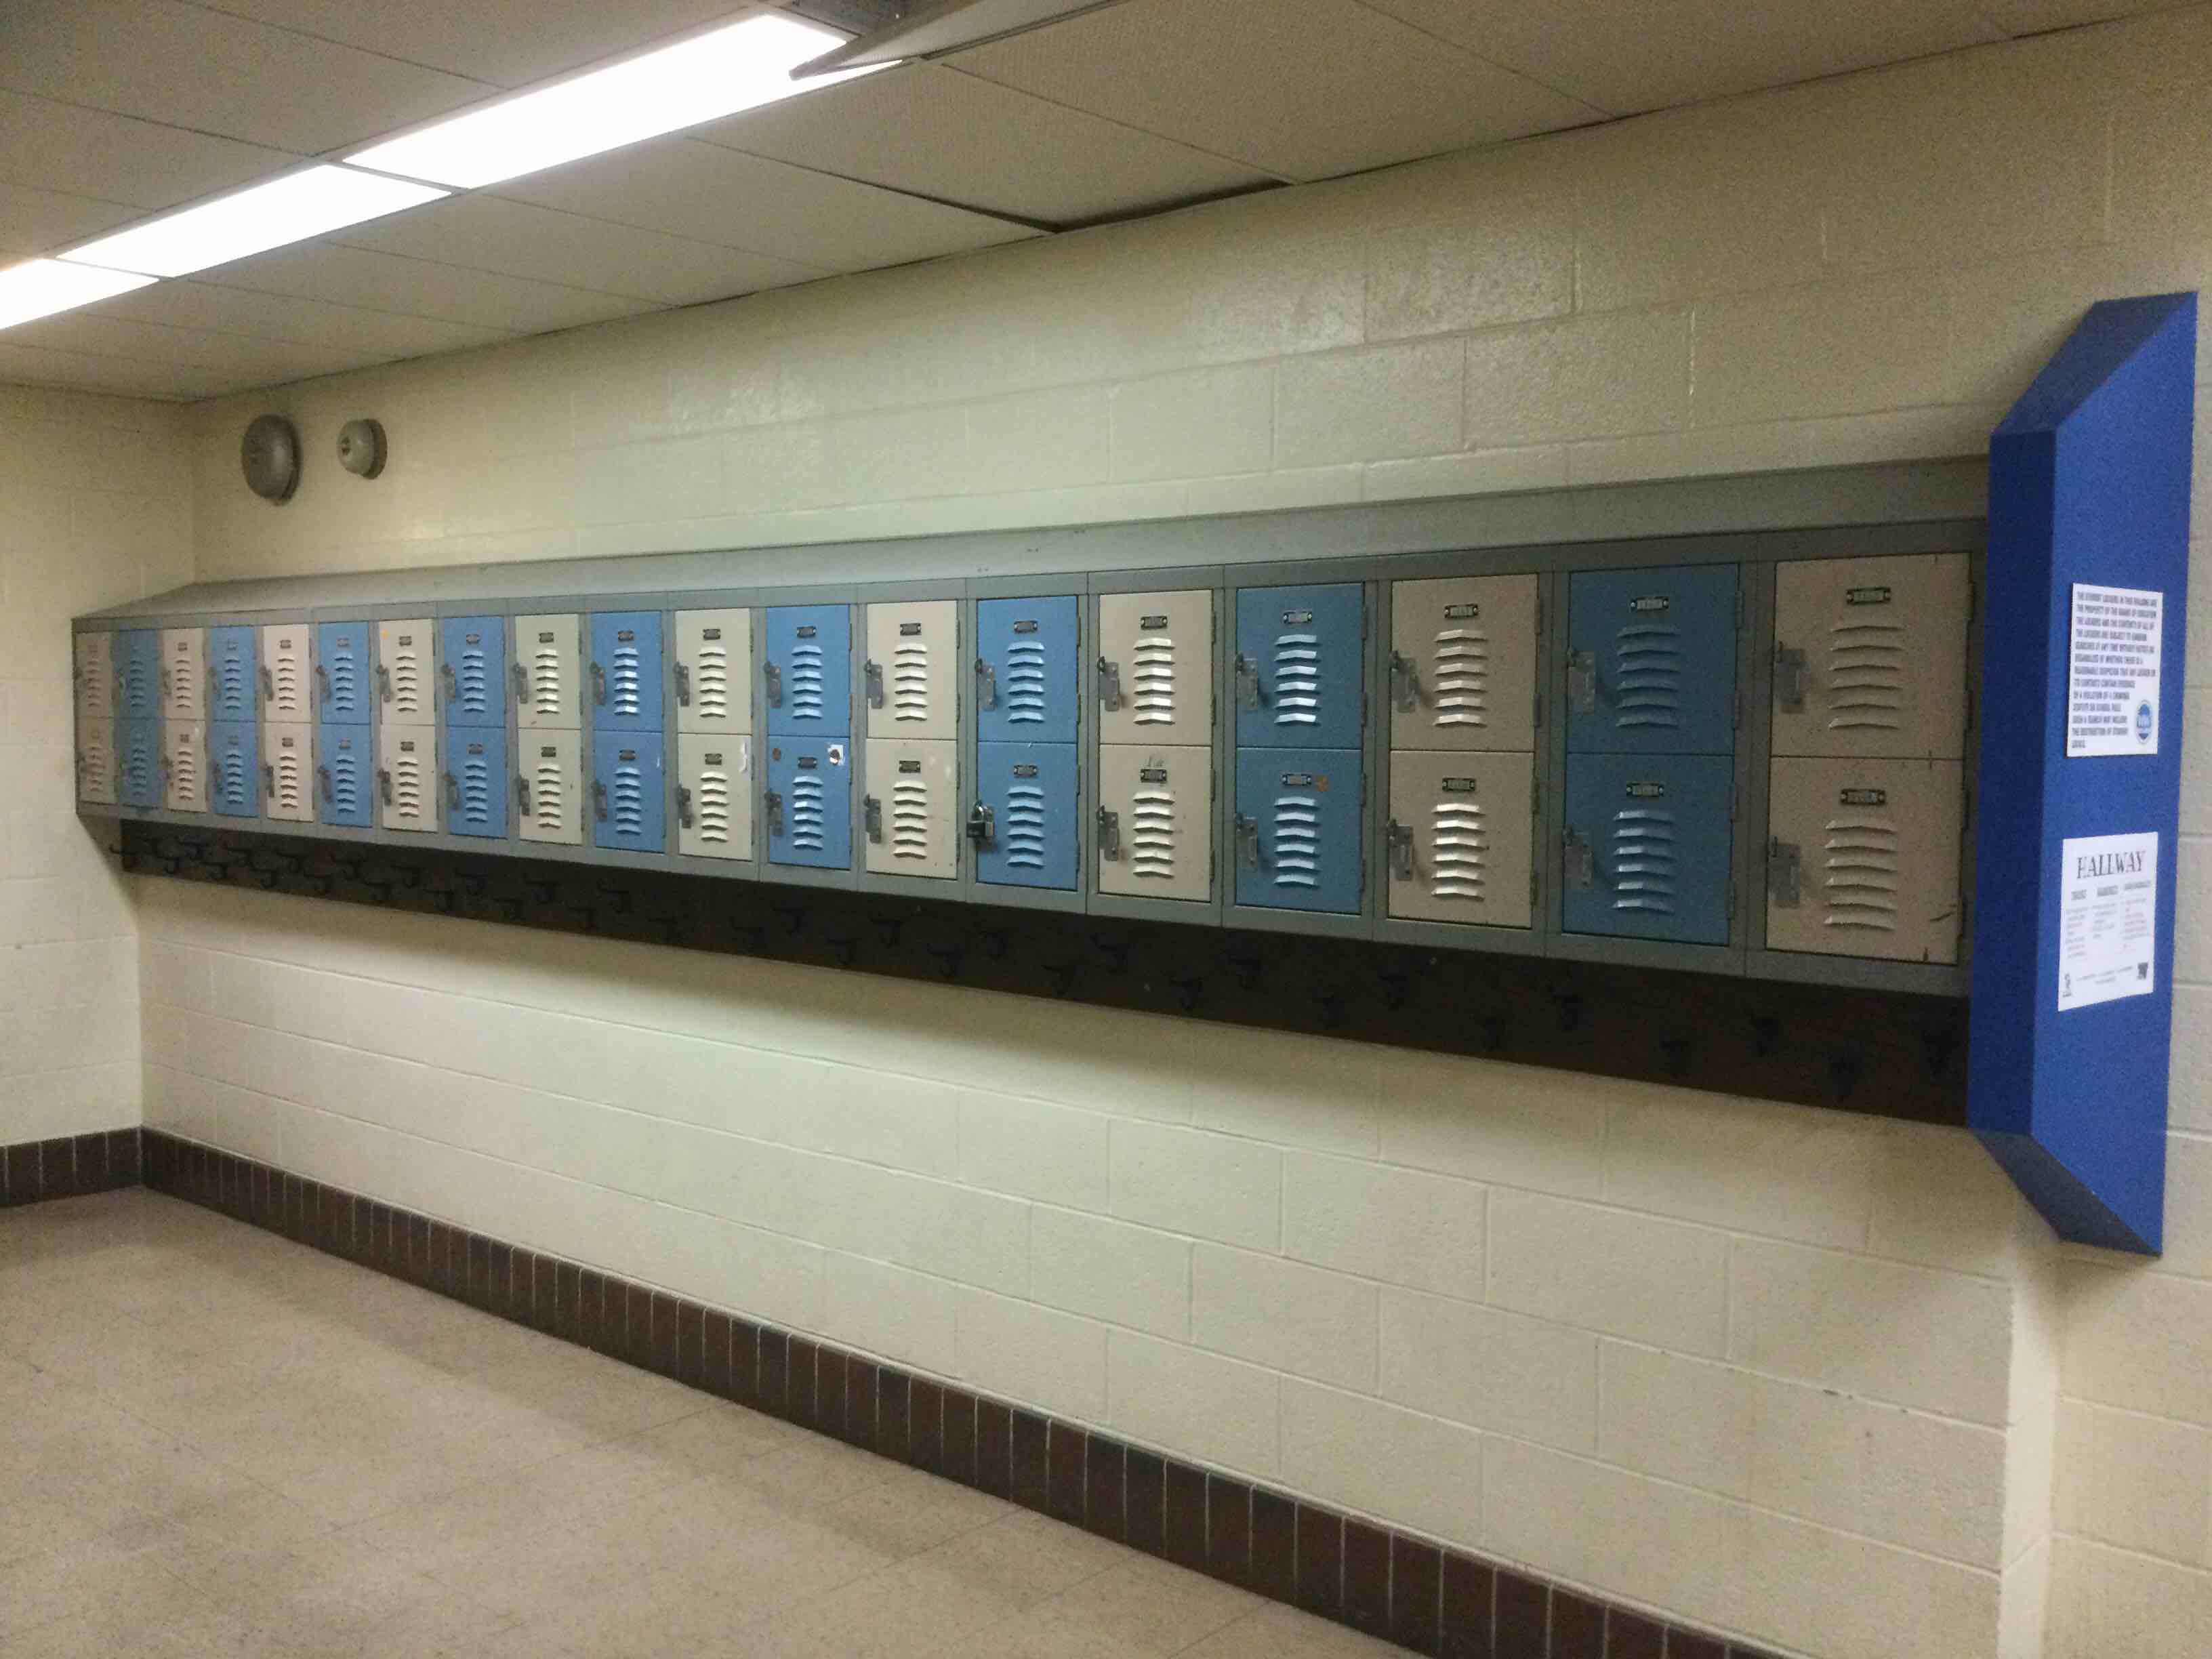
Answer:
(738, 67)
(251, 221)
(39, 288)
(936, 27)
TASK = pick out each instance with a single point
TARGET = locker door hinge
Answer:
(1785, 873)
(684, 806)
(1404, 687)
(871, 817)
(986, 684)
(1790, 679)
(872, 680)
(1110, 685)
(772, 679)
(982, 826)
(1109, 833)
(683, 685)
(1398, 838)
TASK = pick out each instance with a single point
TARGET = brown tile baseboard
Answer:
(1393, 1585)
(69, 1166)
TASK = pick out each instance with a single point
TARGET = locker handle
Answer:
(269, 780)
(871, 675)
(1248, 841)
(1581, 681)
(214, 690)
(1248, 682)
(1405, 686)
(1399, 838)
(1109, 833)
(323, 681)
(1110, 685)
(1789, 679)
(772, 805)
(1579, 859)
(268, 684)
(772, 677)
(384, 784)
(871, 817)
(453, 791)
(982, 826)
(522, 796)
(1785, 874)
(452, 682)
(521, 683)
(986, 684)
(166, 682)
(684, 684)
(599, 801)
(598, 684)
(322, 776)
(684, 806)
(383, 684)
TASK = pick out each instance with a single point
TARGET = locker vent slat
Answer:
(1025, 683)
(1645, 866)
(1460, 674)
(910, 680)
(1153, 680)
(290, 771)
(810, 817)
(349, 786)
(98, 768)
(806, 689)
(96, 685)
(1861, 883)
(141, 766)
(185, 770)
(1297, 840)
(1154, 833)
(472, 680)
(1866, 676)
(1459, 851)
(407, 785)
(141, 691)
(626, 800)
(288, 689)
(476, 785)
(626, 682)
(710, 805)
(1025, 826)
(343, 670)
(233, 686)
(710, 682)
(186, 681)
(547, 694)
(407, 688)
(910, 818)
(1647, 662)
(1298, 680)
(234, 779)
(549, 796)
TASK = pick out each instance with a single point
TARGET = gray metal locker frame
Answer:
(1075, 585)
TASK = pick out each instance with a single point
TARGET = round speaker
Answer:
(361, 447)
(271, 458)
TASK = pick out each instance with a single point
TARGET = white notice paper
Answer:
(2111, 683)
(2107, 919)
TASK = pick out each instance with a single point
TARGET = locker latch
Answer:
(451, 680)
(268, 686)
(772, 677)
(521, 683)
(599, 801)
(1248, 682)
(383, 684)
(684, 684)
(1248, 841)
(165, 686)
(269, 782)
(772, 807)
(384, 784)
(982, 826)
(1109, 685)
(1109, 833)
(1582, 681)
(522, 796)
(598, 684)
(1790, 679)
(322, 683)
(453, 793)
(1404, 687)
(323, 777)
(871, 817)
(1785, 874)
(871, 675)
(986, 684)
(1399, 838)
(1579, 859)
(684, 806)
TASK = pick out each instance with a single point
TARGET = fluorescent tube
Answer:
(39, 288)
(291, 209)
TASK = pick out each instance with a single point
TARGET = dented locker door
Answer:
(1864, 857)
(714, 793)
(1459, 845)
(809, 804)
(1026, 670)
(184, 674)
(1299, 674)
(407, 777)
(548, 672)
(234, 768)
(406, 655)
(1462, 670)
(625, 672)
(1155, 668)
(1646, 846)
(184, 766)
(628, 790)
(1154, 831)
(910, 806)
(1870, 656)
(1651, 660)
(550, 786)
(285, 693)
(912, 669)
(95, 760)
(1024, 829)
(138, 762)
(138, 674)
(806, 673)
(346, 774)
(714, 670)
(472, 671)
(233, 676)
(287, 772)
(475, 779)
(1296, 829)
(96, 676)
(343, 696)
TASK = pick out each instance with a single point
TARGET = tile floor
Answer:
(215, 1441)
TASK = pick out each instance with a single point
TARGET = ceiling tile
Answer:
(721, 196)
(934, 131)
(422, 287)
(164, 61)
(40, 220)
(90, 152)
(490, 233)
(1613, 54)
(124, 376)
(199, 305)
(93, 332)
(1307, 88)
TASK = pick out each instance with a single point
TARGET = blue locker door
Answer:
(1028, 788)
(476, 783)
(234, 674)
(473, 655)
(1300, 674)
(138, 674)
(628, 791)
(1647, 840)
(234, 768)
(345, 774)
(1028, 683)
(1651, 668)
(138, 762)
(343, 692)
(1297, 845)
(808, 666)
(626, 671)
(810, 804)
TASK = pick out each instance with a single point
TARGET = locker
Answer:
(628, 791)
(475, 779)
(1296, 844)
(807, 677)
(95, 756)
(95, 676)
(1026, 670)
(407, 776)
(1155, 668)
(714, 792)
(714, 670)
(625, 672)
(184, 674)
(1870, 656)
(1155, 822)
(472, 671)
(287, 771)
(405, 654)
(184, 766)
(1463, 663)
(912, 803)
(1651, 660)
(1646, 846)
(341, 688)
(809, 804)
(911, 671)
(138, 762)
(234, 673)
(345, 768)
(548, 672)
(137, 674)
(1863, 857)
(1300, 666)
(284, 666)
(1025, 823)
(550, 787)
(1460, 840)
(233, 768)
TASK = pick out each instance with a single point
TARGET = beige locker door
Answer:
(285, 693)
(184, 674)
(714, 670)
(1463, 663)
(715, 794)
(1863, 857)
(909, 682)
(407, 776)
(549, 803)
(287, 771)
(95, 681)
(406, 655)
(1870, 656)
(1461, 837)
(548, 672)
(184, 766)
(95, 756)
(1155, 668)
(909, 813)
(1158, 841)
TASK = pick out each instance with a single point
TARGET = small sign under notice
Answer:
(2107, 919)
(2112, 670)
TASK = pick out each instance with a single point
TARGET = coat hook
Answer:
(1060, 976)
(1569, 1005)
(1765, 1034)
(843, 946)
(1493, 1027)
(950, 958)
(889, 929)
(1331, 1003)
(1397, 986)
(1115, 950)
(1938, 1043)
(1844, 1071)
(995, 941)
(1675, 1051)
(1187, 991)
(1246, 961)
(794, 917)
